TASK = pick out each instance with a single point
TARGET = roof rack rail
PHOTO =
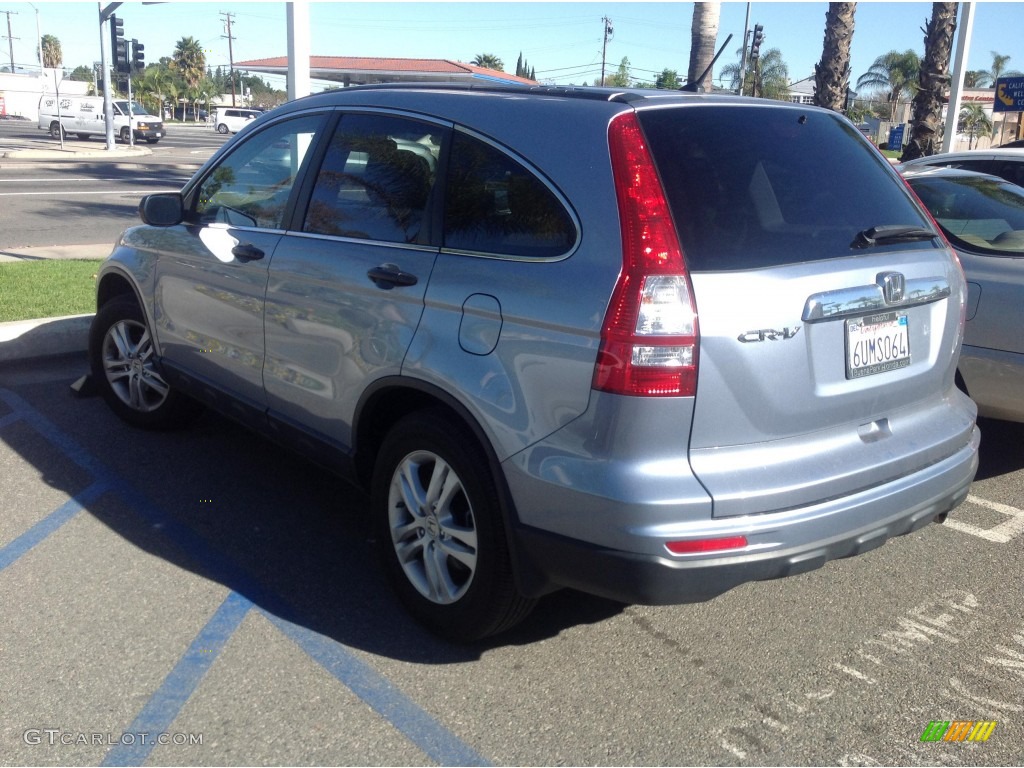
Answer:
(595, 93)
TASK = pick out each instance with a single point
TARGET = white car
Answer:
(231, 119)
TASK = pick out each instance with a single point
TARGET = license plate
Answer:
(876, 344)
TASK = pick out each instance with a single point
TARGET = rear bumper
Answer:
(780, 544)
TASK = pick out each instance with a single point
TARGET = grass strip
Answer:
(47, 288)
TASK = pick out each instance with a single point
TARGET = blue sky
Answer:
(561, 41)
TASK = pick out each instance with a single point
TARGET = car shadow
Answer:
(1002, 448)
(231, 507)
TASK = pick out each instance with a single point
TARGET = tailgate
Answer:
(819, 383)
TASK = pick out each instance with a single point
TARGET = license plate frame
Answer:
(877, 344)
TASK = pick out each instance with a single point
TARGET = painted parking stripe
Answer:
(156, 717)
(1003, 533)
(370, 686)
(440, 744)
(30, 538)
(10, 418)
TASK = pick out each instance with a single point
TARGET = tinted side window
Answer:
(250, 187)
(496, 205)
(376, 179)
(760, 186)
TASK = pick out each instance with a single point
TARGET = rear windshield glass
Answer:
(976, 211)
(751, 186)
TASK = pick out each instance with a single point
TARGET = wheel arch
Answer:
(393, 398)
(389, 400)
(113, 284)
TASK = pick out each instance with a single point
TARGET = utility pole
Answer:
(231, 54)
(10, 39)
(604, 48)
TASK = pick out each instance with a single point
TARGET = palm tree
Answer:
(975, 78)
(155, 81)
(895, 73)
(975, 123)
(53, 56)
(832, 73)
(488, 61)
(189, 61)
(768, 78)
(703, 37)
(933, 80)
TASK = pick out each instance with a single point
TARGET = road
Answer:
(92, 199)
(207, 585)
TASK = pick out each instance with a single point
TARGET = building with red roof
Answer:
(359, 70)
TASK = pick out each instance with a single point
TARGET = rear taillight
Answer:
(649, 339)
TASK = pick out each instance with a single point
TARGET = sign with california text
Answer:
(1009, 95)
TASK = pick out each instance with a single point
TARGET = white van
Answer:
(83, 116)
(233, 118)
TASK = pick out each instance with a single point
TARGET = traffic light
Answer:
(755, 44)
(138, 57)
(118, 45)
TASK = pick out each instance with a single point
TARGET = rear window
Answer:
(754, 186)
(977, 212)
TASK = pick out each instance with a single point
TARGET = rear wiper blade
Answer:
(890, 233)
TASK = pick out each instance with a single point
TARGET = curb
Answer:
(46, 337)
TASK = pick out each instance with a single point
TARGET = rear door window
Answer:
(751, 186)
(376, 179)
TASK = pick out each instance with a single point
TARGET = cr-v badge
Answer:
(768, 334)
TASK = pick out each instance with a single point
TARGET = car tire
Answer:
(445, 553)
(57, 130)
(126, 373)
(222, 128)
(125, 135)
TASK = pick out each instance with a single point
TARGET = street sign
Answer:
(1009, 95)
(896, 136)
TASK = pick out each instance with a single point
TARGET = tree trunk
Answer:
(703, 36)
(926, 123)
(832, 73)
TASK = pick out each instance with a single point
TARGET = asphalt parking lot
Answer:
(202, 597)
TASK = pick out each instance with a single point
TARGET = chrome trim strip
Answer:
(862, 300)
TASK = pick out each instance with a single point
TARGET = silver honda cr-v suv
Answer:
(645, 344)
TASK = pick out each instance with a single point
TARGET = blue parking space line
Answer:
(48, 430)
(370, 686)
(163, 707)
(30, 538)
(10, 418)
(440, 744)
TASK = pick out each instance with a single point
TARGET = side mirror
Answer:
(165, 209)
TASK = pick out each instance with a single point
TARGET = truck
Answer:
(83, 116)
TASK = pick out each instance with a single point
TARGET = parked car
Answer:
(190, 115)
(983, 217)
(637, 343)
(1006, 163)
(1016, 144)
(230, 119)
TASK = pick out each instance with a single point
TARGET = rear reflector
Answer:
(705, 545)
